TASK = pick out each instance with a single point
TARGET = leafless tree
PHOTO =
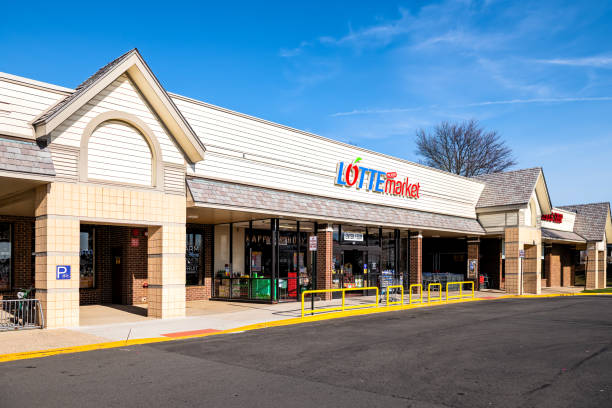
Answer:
(464, 148)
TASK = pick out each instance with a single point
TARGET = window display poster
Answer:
(472, 268)
(256, 261)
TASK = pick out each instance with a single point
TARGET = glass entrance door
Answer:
(354, 266)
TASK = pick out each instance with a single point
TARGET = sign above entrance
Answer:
(353, 236)
(557, 218)
(361, 177)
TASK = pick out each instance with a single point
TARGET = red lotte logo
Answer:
(372, 180)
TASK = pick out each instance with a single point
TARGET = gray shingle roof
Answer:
(561, 235)
(509, 188)
(590, 219)
(25, 157)
(205, 191)
(54, 110)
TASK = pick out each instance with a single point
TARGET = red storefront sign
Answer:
(553, 217)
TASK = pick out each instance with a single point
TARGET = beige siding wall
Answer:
(66, 162)
(123, 96)
(250, 151)
(497, 222)
(21, 103)
(174, 179)
(117, 152)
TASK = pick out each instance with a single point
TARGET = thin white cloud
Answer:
(294, 52)
(381, 111)
(541, 100)
(374, 36)
(375, 111)
(598, 61)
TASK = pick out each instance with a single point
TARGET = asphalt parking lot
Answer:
(551, 352)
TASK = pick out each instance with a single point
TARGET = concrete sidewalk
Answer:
(104, 323)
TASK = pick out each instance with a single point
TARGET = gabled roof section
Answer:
(156, 96)
(514, 188)
(592, 220)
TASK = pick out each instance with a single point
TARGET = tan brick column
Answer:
(57, 244)
(416, 258)
(601, 269)
(512, 265)
(166, 271)
(473, 251)
(553, 266)
(531, 276)
(591, 266)
(325, 248)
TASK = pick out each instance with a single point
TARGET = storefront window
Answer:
(288, 254)
(5, 256)
(261, 249)
(194, 258)
(87, 257)
(306, 258)
(360, 254)
(270, 259)
(388, 251)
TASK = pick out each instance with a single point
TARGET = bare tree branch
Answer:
(464, 148)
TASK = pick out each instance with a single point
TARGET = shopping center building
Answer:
(121, 192)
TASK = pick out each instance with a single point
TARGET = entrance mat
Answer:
(191, 333)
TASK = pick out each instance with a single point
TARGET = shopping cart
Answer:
(389, 282)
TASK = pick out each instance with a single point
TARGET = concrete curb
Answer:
(263, 325)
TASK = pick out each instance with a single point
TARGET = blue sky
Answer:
(369, 74)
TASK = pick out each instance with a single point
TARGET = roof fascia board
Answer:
(152, 91)
(74, 105)
(541, 190)
(608, 229)
(500, 208)
(167, 110)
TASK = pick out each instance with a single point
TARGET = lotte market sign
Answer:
(354, 175)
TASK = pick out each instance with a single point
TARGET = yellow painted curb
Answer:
(276, 323)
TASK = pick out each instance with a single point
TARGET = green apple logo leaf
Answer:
(357, 160)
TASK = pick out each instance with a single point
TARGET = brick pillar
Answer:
(166, 271)
(512, 264)
(473, 251)
(553, 266)
(57, 244)
(416, 258)
(601, 269)
(531, 277)
(567, 267)
(591, 266)
(325, 245)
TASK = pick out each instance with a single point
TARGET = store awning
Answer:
(232, 196)
(555, 235)
(19, 158)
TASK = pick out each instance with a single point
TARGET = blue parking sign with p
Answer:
(62, 272)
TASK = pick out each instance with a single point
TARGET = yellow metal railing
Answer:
(432, 287)
(397, 302)
(460, 295)
(420, 299)
(439, 298)
(338, 308)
